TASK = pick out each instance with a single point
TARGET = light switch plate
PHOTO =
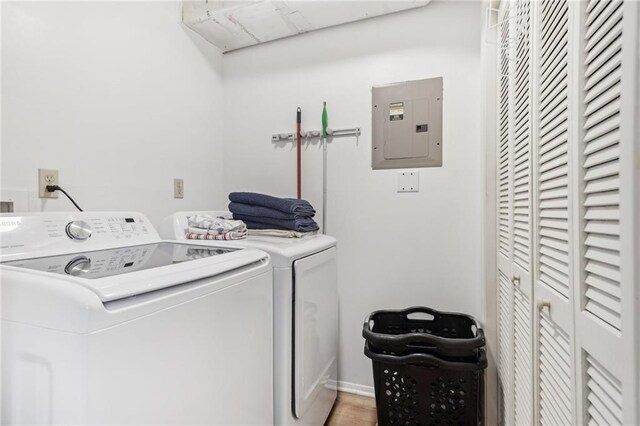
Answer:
(6, 206)
(408, 181)
(178, 188)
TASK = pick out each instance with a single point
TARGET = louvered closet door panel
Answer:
(605, 321)
(505, 223)
(555, 399)
(522, 358)
(603, 395)
(555, 386)
(522, 139)
(514, 221)
(553, 147)
(504, 165)
(522, 213)
(505, 148)
(601, 174)
(505, 349)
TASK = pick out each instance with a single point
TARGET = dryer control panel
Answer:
(25, 235)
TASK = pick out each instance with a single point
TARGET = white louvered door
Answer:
(606, 324)
(505, 286)
(522, 217)
(568, 211)
(514, 222)
(555, 391)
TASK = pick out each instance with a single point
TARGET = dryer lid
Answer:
(283, 251)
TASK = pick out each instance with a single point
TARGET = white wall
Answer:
(1, 9)
(116, 95)
(121, 99)
(395, 250)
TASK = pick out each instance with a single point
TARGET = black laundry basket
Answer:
(423, 390)
(446, 334)
(428, 367)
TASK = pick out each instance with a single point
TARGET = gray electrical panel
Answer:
(407, 125)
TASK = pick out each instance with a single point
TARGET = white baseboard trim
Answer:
(356, 389)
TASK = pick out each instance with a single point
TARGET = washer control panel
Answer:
(120, 260)
(21, 235)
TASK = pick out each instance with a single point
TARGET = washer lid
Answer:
(126, 271)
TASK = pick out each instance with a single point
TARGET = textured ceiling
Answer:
(233, 25)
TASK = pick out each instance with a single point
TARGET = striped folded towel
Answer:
(215, 225)
(207, 225)
(230, 235)
(226, 236)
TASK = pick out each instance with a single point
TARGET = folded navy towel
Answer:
(286, 205)
(259, 211)
(300, 225)
(256, 225)
(259, 225)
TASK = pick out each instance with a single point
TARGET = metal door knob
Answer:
(515, 278)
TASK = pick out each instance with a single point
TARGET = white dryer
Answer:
(104, 323)
(305, 319)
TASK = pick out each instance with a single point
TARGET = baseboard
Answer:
(356, 389)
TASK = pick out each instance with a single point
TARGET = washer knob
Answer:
(78, 266)
(78, 230)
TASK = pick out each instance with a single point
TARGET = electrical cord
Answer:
(54, 188)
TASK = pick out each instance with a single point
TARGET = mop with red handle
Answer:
(299, 153)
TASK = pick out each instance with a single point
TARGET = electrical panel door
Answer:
(407, 124)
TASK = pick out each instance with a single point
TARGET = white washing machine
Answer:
(305, 319)
(104, 323)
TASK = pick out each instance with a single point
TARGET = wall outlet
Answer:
(178, 188)
(408, 182)
(47, 177)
